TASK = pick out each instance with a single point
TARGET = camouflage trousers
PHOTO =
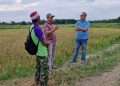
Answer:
(42, 68)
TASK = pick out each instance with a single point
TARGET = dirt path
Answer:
(105, 79)
(28, 81)
(108, 78)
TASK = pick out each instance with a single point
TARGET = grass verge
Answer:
(72, 73)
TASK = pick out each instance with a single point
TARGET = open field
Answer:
(15, 62)
(93, 25)
(105, 25)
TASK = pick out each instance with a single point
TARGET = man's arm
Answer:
(77, 28)
(44, 42)
(85, 28)
(48, 32)
(81, 29)
(39, 34)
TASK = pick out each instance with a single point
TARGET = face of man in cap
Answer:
(50, 17)
(83, 16)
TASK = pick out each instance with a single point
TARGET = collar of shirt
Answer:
(82, 21)
(36, 25)
(49, 22)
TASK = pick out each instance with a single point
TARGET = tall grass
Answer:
(15, 62)
(105, 25)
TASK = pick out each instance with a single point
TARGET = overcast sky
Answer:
(19, 10)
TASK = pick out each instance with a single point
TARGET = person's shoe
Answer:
(37, 82)
(54, 67)
(72, 61)
(81, 62)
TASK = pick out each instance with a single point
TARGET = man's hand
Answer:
(55, 27)
(46, 43)
(81, 29)
(77, 29)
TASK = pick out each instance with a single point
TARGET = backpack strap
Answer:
(30, 31)
(31, 28)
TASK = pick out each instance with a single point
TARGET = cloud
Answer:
(17, 5)
(18, 1)
(96, 9)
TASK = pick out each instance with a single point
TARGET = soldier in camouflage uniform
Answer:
(41, 75)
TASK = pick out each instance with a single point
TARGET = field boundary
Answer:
(70, 72)
(64, 71)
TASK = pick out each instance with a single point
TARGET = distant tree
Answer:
(3, 23)
(29, 23)
(23, 23)
(65, 21)
(42, 21)
(118, 19)
(13, 22)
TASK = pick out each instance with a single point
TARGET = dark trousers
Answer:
(42, 70)
(79, 43)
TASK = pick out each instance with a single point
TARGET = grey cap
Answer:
(84, 13)
(50, 15)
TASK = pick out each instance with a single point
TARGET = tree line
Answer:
(117, 20)
(63, 21)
